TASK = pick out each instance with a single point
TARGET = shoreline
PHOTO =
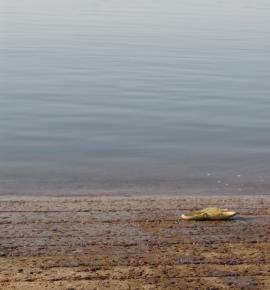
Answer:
(132, 242)
(140, 192)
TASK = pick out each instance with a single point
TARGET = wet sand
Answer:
(132, 243)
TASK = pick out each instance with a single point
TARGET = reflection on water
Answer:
(134, 94)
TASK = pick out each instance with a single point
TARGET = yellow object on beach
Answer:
(211, 213)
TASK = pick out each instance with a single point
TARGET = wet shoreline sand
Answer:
(132, 242)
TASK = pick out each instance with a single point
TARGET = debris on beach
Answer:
(211, 213)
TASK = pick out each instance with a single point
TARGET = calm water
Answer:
(143, 95)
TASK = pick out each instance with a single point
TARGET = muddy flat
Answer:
(132, 243)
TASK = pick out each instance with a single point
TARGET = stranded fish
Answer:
(211, 213)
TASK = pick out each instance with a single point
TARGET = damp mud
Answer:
(129, 243)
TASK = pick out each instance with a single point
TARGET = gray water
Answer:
(134, 96)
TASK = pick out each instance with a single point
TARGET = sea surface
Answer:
(134, 96)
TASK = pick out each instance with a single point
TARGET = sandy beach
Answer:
(132, 243)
